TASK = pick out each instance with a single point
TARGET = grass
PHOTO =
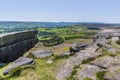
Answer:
(100, 75)
(66, 33)
(88, 78)
(41, 71)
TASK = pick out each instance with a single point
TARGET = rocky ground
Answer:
(97, 61)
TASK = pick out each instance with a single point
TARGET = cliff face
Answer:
(13, 45)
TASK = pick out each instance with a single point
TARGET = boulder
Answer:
(22, 61)
(41, 53)
(13, 37)
(65, 54)
(76, 47)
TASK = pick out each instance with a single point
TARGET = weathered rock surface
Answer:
(87, 71)
(67, 68)
(22, 61)
(14, 51)
(107, 62)
(13, 45)
(41, 53)
(103, 62)
(112, 74)
(65, 54)
(13, 37)
(75, 47)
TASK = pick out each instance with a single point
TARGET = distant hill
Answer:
(53, 24)
(36, 24)
(10, 26)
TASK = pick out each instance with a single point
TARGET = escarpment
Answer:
(13, 45)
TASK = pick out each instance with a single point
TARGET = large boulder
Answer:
(22, 61)
(14, 51)
(76, 47)
(41, 53)
(13, 37)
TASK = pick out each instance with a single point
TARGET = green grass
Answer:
(100, 75)
(66, 32)
(88, 78)
(40, 71)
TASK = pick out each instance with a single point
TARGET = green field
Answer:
(49, 35)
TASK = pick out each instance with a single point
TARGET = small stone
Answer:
(50, 61)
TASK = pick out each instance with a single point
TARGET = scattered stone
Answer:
(76, 47)
(41, 53)
(65, 54)
(49, 61)
(22, 61)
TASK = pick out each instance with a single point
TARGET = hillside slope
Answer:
(99, 60)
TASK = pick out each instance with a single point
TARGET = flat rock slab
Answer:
(103, 62)
(41, 53)
(65, 54)
(22, 61)
(112, 74)
(87, 71)
(107, 62)
(67, 68)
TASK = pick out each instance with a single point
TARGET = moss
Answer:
(100, 75)
(118, 42)
(87, 78)
(109, 42)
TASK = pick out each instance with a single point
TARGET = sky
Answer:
(107, 11)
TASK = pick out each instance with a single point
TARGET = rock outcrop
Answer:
(91, 62)
(76, 47)
(22, 61)
(14, 44)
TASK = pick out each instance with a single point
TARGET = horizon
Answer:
(101, 11)
(60, 22)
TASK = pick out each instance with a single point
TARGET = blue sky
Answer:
(60, 10)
